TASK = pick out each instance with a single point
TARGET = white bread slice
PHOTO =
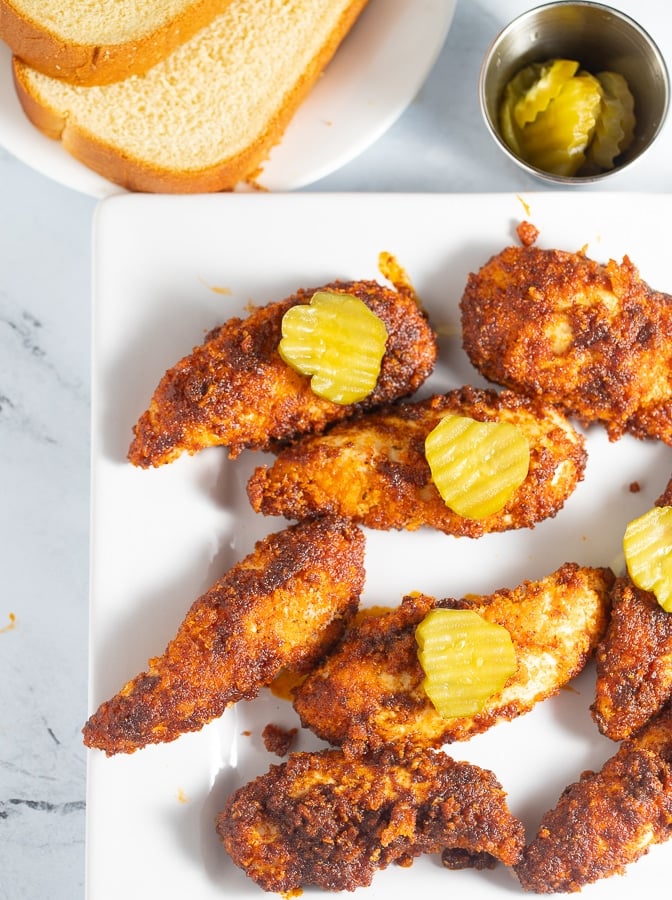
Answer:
(206, 117)
(98, 41)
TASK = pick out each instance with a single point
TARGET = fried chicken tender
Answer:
(368, 692)
(594, 339)
(331, 820)
(285, 604)
(634, 662)
(234, 390)
(608, 819)
(373, 469)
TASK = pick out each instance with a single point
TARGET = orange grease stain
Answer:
(526, 206)
(283, 684)
(217, 289)
(12, 624)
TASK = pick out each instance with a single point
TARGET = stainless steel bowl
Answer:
(600, 38)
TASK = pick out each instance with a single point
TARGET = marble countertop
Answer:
(439, 144)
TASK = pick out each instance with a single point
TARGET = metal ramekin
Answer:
(600, 38)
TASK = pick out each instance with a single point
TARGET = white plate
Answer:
(375, 74)
(168, 268)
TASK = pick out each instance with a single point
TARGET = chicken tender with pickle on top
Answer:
(332, 820)
(235, 390)
(283, 605)
(593, 339)
(373, 469)
(633, 662)
(368, 692)
(608, 819)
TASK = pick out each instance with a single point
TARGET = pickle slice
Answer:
(465, 658)
(647, 544)
(558, 138)
(615, 126)
(476, 466)
(514, 92)
(338, 341)
(549, 80)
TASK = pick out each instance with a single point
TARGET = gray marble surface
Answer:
(439, 144)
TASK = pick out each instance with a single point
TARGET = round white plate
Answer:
(376, 73)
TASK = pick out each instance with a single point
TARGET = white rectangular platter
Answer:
(166, 269)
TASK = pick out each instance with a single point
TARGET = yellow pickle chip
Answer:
(647, 544)
(338, 341)
(549, 80)
(465, 658)
(558, 138)
(476, 466)
(615, 126)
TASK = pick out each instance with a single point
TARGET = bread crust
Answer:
(89, 64)
(132, 173)
(137, 174)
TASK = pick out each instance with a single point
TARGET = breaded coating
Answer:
(373, 469)
(285, 604)
(656, 735)
(368, 692)
(665, 498)
(234, 390)
(594, 339)
(606, 820)
(331, 820)
(634, 662)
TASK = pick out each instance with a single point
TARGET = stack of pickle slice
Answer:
(563, 120)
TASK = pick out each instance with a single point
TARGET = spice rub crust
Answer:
(332, 820)
(594, 339)
(284, 605)
(234, 390)
(368, 692)
(373, 469)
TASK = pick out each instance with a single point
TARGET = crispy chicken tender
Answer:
(607, 819)
(331, 820)
(234, 390)
(634, 662)
(368, 692)
(373, 469)
(594, 339)
(283, 605)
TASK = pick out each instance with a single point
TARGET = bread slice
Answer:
(94, 43)
(207, 116)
